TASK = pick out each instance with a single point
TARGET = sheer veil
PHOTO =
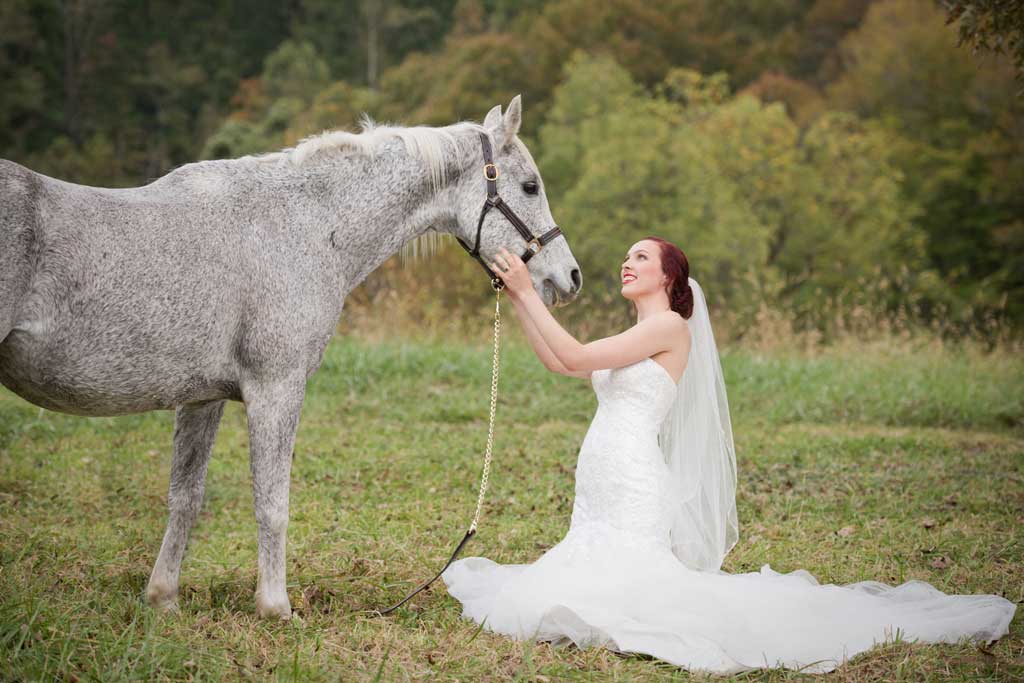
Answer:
(696, 440)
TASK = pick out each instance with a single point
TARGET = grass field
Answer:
(862, 463)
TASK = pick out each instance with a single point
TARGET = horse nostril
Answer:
(577, 279)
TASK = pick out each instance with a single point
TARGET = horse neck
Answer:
(387, 202)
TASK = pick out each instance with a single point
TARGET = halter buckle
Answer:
(493, 175)
(534, 245)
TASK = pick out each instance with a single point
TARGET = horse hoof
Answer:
(160, 598)
(273, 609)
(162, 601)
(167, 607)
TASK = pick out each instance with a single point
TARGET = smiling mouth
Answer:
(628, 278)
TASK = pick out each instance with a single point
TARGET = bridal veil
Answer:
(696, 440)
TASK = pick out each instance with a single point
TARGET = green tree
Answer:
(464, 81)
(294, 70)
(761, 208)
(960, 144)
(636, 165)
(990, 25)
(593, 85)
(23, 108)
(293, 76)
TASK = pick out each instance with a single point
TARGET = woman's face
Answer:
(641, 271)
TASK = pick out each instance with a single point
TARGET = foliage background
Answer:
(848, 183)
(830, 164)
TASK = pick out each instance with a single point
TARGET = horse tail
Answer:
(19, 196)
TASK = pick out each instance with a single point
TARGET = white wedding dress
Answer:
(613, 581)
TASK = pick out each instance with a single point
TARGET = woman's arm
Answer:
(540, 347)
(643, 340)
(653, 335)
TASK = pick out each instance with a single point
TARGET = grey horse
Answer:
(225, 280)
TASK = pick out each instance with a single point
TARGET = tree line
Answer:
(820, 157)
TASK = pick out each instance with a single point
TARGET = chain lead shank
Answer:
(534, 244)
(485, 474)
(490, 425)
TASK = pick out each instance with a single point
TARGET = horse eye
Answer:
(530, 187)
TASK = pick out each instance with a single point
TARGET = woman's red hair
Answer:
(675, 265)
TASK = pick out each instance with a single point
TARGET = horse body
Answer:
(176, 292)
(222, 280)
(132, 304)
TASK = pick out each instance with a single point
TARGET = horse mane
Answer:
(431, 145)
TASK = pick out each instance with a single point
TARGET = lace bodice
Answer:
(641, 393)
(621, 477)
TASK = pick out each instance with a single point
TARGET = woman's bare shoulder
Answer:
(676, 319)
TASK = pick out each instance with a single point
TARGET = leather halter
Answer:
(533, 243)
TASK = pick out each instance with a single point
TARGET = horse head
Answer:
(505, 205)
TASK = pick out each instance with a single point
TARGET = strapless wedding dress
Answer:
(614, 582)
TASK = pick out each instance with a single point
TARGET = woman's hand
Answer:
(513, 272)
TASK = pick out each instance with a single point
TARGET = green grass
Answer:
(918, 455)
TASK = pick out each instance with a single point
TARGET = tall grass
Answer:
(914, 454)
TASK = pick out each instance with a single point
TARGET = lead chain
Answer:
(487, 463)
(494, 401)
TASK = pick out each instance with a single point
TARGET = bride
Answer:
(654, 513)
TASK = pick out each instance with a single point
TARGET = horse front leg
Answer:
(273, 413)
(195, 429)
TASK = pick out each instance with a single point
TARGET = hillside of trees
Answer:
(830, 159)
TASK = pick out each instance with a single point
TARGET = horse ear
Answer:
(496, 125)
(493, 122)
(513, 117)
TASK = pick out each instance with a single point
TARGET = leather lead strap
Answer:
(458, 549)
